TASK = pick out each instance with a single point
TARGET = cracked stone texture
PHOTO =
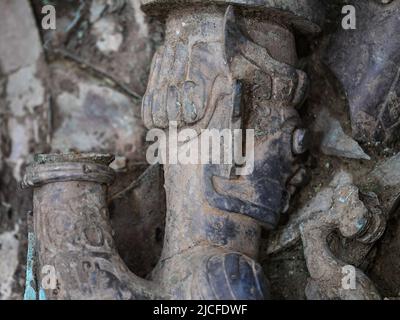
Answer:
(95, 112)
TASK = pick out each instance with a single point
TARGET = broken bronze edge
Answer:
(51, 168)
(306, 16)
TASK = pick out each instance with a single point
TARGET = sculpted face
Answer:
(214, 72)
(272, 88)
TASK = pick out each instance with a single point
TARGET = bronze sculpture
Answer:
(214, 64)
(224, 65)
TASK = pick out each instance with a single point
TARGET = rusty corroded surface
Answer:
(24, 102)
(73, 232)
(224, 64)
(348, 215)
(210, 74)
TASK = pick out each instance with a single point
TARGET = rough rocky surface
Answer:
(9, 261)
(23, 113)
(18, 23)
(371, 81)
(351, 218)
(388, 172)
(334, 141)
(86, 107)
(66, 95)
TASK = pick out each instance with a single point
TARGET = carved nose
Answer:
(301, 141)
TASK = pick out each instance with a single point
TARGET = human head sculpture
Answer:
(227, 65)
(230, 64)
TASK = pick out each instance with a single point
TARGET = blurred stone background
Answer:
(79, 88)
